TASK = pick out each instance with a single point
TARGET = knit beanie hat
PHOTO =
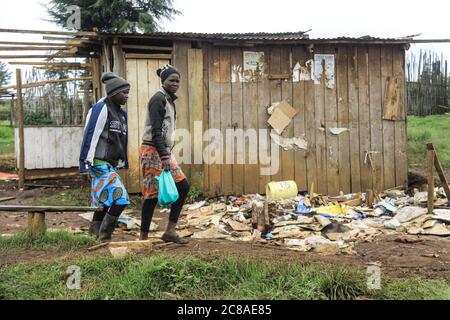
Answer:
(166, 71)
(114, 84)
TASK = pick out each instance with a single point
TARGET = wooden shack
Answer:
(348, 94)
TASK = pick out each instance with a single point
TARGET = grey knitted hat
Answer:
(114, 84)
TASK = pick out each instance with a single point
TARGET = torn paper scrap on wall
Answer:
(272, 107)
(237, 74)
(254, 66)
(324, 69)
(295, 143)
(302, 73)
(338, 131)
(281, 116)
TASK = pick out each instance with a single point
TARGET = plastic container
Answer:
(281, 190)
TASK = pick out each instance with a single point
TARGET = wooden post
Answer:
(11, 116)
(20, 120)
(36, 224)
(440, 171)
(369, 199)
(430, 201)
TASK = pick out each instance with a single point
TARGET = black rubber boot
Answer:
(107, 228)
(94, 228)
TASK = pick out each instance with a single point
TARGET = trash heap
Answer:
(317, 223)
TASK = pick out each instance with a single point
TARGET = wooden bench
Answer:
(36, 215)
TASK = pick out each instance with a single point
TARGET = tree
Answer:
(5, 75)
(114, 16)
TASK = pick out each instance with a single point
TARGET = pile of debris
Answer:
(317, 223)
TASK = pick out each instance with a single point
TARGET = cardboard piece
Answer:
(282, 116)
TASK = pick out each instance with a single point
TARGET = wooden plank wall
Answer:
(51, 147)
(370, 155)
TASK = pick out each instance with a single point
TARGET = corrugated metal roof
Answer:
(300, 36)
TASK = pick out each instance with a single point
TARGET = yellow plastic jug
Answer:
(281, 190)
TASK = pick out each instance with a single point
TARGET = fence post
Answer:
(21, 130)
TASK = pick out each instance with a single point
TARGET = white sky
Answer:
(326, 18)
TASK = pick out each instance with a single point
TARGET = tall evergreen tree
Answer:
(114, 16)
(5, 75)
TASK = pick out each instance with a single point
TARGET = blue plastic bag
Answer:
(167, 190)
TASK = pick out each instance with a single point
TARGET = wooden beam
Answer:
(430, 40)
(440, 171)
(20, 119)
(43, 83)
(147, 56)
(430, 200)
(23, 208)
(45, 44)
(51, 64)
(68, 39)
(68, 33)
(144, 47)
(46, 56)
(23, 48)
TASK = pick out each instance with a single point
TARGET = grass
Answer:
(434, 129)
(51, 241)
(188, 277)
(72, 197)
(6, 138)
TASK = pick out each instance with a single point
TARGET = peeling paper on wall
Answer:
(295, 143)
(338, 131)
(324, 69)
(302, 73)
(237, 74)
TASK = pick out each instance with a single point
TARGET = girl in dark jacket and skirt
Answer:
(156, 156)
(103, 150)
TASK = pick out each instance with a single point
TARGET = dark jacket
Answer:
(105, 136)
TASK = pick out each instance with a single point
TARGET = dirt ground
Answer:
(429, 258)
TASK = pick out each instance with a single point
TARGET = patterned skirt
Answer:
(106, 187)
(152, 167)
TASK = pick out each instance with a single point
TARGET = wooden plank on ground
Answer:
(343, 119)
(237, 121)
(287, 157)
(364, 117)
(195, 82)
(298, 103)
(376, 115)
(225, 117)
(355, 176)
(388, 126)
(401, 140)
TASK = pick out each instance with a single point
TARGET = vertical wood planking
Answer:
(59, 138)
(376, 115)
(264, 140)
(143, 67)
(67, 133)
(353, 110)
(331, 140)
(320, 126)
(237, 123)
(287, 157)
(401, 160)
(51, 157)
(311, 129)
(364, 116)
(205, 71)
(275, 96)
(388, 126)
(225, 117)
(214, 116)
(250, 109)
(298, 103)
(195, 82)
(343, 119)
(180, 61)
(133, 174)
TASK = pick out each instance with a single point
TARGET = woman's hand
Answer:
(165, 164)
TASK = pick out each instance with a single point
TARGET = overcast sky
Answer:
(326, 18)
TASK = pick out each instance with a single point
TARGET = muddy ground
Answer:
(429, 258)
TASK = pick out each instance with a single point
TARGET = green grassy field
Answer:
(6, 138)
(166, 276)
(434, 129)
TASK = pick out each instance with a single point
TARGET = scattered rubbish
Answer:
(120, 252)
(439, 229)
(303, 208)
(334, 210)
(281, 190)
(406, 214)
(442, 214)
(392, 224)
(237, 226)
(268, 236)
(408, 240)
(197, 205)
